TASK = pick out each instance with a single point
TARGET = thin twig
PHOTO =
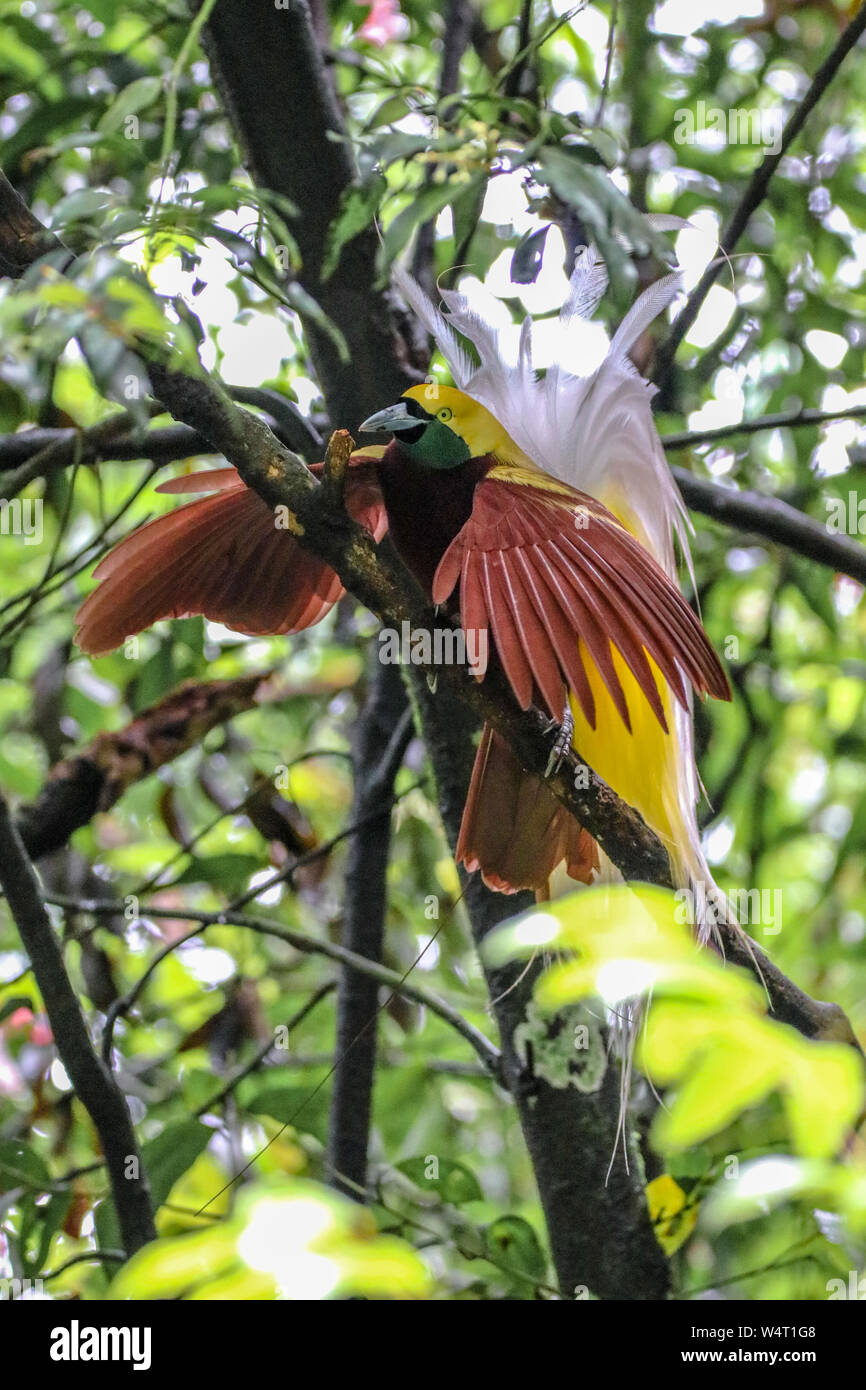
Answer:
(231, 1085)
(782, 420)
(608, 63)
(309, 945)
(756, 192)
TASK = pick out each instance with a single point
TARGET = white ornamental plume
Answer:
(596, 431)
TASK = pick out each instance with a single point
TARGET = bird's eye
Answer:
(445, 414)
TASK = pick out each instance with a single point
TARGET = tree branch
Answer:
(795, 419)
(93, 1083)
(62, 448)
(94, 779)
(385, 723)
(774, 520)
(309, 945)
(37, 453)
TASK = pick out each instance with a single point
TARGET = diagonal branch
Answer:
(775, 520)
(94, 779)
(380, 582)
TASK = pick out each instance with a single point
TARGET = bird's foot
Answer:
(563, 733)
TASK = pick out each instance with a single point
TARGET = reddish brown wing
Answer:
(221, 556)
(556, 579)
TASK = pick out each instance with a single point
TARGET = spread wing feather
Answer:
(221, 556)
(552, 575)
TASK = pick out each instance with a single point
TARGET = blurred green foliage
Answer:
(185, 253)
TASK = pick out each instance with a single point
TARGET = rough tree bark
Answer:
(381, 738)
(268, 67)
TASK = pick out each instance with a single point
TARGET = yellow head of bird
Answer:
(441, 427)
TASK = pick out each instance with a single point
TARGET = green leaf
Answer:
(823, 1096)
(727, 1078)
(107, 1225)
(297, 1239)
(358, 207)
(231, 872)
(22, 1166)
(118, 372)
(77, 207)
(393, 108)
(513, 1244)
(289, 1104)
(425, 205)
(454, 1182)
(466, 210)
(398, 145)
(171, 1267)
(140, 94)
(706, 1031)
(77, 140)
(166, 1158)
(602, 207)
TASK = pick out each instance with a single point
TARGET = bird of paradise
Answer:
(545, 509)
